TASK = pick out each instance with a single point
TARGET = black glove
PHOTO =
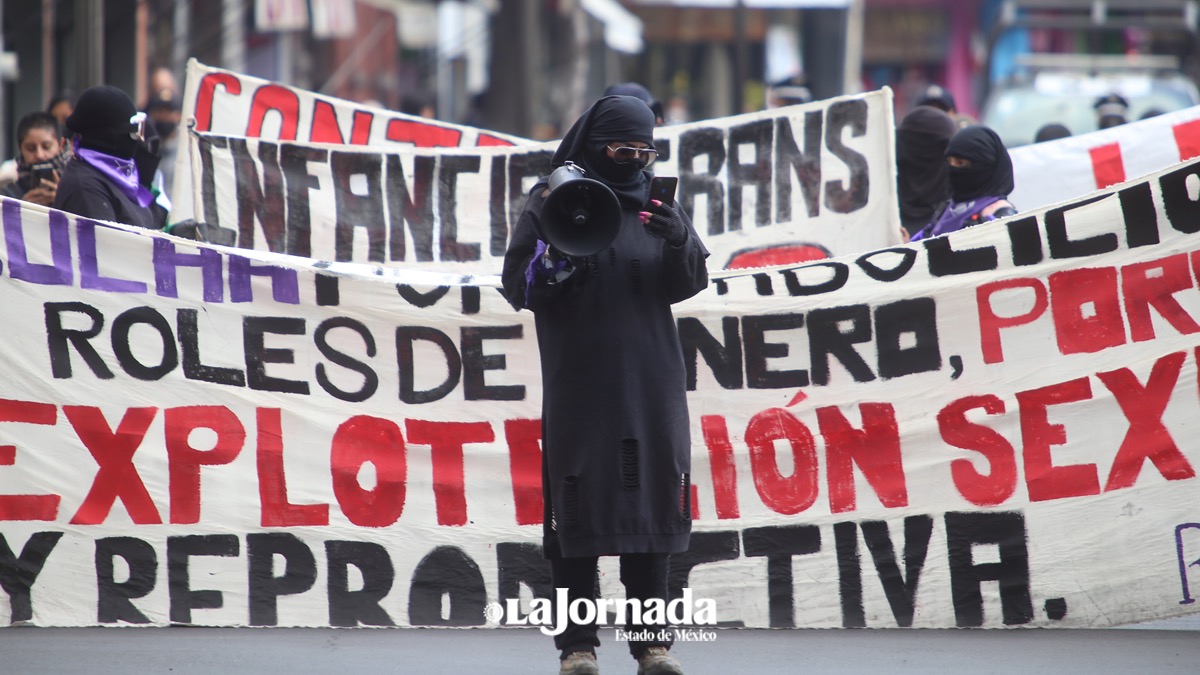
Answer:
(663, 221)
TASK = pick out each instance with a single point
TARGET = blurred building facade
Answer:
(526, 67)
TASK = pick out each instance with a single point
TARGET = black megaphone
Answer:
(581, 216)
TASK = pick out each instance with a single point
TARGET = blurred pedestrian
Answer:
(165, 114)
(42, 155)
(419, 104)
(110, 176)
(163, 84)
(638, 91)
(61, 107)
(937, 96)
(1051, 132)
(677, 110)
(921, 169)
(616, 438)
(788, 91)
(981, 178)
(1111, 110)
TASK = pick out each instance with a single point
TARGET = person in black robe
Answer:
(615, 428)
(921, 171)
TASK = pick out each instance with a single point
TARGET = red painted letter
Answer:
(117, 477)
(363, 439)
(446, 440)
(1044, 480)
(277, 511)
(26, 507)
(1147, 438)
(783, 494)
(990, 323)
(525, 465)
(184, 461)
(204, 97)
(875, 449)
(1107, 165)
(981, 489)
(1153, 284)
(273, 97)
(1086, 310)
(422, 135)
(724, 471)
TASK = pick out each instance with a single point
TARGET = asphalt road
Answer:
(98, 651)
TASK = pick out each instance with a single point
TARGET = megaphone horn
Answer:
(581, 216)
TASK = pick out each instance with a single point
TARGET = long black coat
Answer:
(615, 430)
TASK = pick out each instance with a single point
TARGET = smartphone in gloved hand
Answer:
(662, 188)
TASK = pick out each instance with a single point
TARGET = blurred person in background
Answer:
(937, 96)
(788, 91)
(163, 85)
(1051, 132)
(981, 177)
(42, 154)
(110, 176)
(165, 114)
(1111, 111)
(921, 175)
(61, 107)
(419, 104)
(638, 91)
(677, 111)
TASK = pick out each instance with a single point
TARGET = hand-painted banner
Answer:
(997, 428)
(225, 102)
(783, 186)
(1057, 171)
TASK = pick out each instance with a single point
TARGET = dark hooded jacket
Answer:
(921, 182)
(102, 122)
(615, 428)
(987, 180)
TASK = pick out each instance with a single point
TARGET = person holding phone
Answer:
(616, 440)
(41, 157)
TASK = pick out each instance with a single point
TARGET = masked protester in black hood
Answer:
(981, 178)
(616, 437)
(116, 156)
(921, 181)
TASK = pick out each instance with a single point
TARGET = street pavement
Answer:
(1159, 648)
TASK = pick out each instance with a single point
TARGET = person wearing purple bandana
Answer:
(109, 177)
(616, 436)
(981, 177)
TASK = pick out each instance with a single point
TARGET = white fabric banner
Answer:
(787, 185)
(995, 428)
(224, 102)
(1061, 170)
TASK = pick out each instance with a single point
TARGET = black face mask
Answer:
(968, 181)
(165, 128)
(598, 160)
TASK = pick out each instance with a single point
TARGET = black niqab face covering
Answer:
(990, 173)
(612, 118)
(921, 177)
